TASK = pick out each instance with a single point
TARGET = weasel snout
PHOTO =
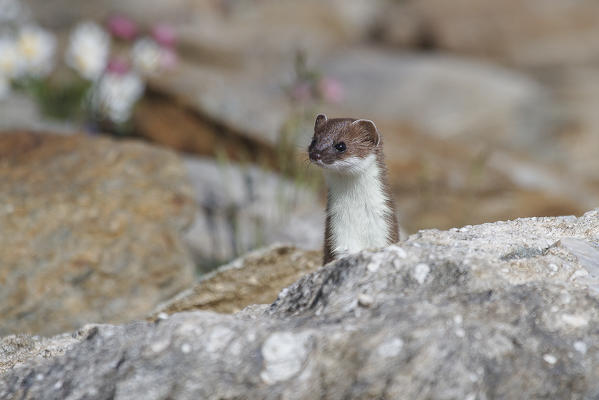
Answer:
(315, 156)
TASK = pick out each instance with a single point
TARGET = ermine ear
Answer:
(369, 129)
(321, 119)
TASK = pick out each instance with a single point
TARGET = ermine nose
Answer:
(314, 155)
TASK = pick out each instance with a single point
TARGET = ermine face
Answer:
(343, 144)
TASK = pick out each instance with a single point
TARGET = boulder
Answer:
(535, 34)
(242, 207)
(255, 278)
(441, 95)
(91, 230)
(20, 112)
(499, 310)
(552, 42)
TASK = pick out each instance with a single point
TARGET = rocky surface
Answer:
(18, 349)
(536, 34)
(255, 278)
(552, 42)
(243, 207)
(440, 95)
(500, 310)
(476, 182)
(19, 112)
(91, 230)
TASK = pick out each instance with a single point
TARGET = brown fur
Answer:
(362, 140)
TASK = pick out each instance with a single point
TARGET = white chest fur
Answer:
(357, 206)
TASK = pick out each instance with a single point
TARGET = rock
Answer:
(576, 91)
(90, 230)
(430, 176)
(536, 35)
(19, 112)
(440, 95)
(256, 278)
(551, 42)
(227, 31)
(443, 96)
(174, 125)
(501, 310)
(228, 34)
(243, 207)
(17, 349)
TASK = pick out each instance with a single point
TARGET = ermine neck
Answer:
(358, 208)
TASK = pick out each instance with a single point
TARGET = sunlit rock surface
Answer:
(91, 230)
(500, 310)
(257, 277)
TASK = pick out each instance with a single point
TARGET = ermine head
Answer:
(343, 145)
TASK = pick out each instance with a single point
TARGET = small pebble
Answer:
(162, 316)
(185, 348)
(365, 300)
(373, 267)
(580, 347)
(421, 272)
(550, 359)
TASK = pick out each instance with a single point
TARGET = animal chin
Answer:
(351, 165)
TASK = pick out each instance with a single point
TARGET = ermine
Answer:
(360, 209)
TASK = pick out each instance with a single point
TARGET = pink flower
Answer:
(301, 91)
(118, 66)
(331, 90)
(122, 27)
(164, 35)
(168, 58)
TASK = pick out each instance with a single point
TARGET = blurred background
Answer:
(488, 108)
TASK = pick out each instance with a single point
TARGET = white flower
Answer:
(146, 55)
(88, 50)
(11, 63)
(116, 94)
(4, 87)
(36, 47)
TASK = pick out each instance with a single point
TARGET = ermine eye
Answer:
(340, 147)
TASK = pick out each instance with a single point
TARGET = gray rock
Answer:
(20, 112)
(17, 349)
(443, 96)
(497, 310)
(242, 207)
